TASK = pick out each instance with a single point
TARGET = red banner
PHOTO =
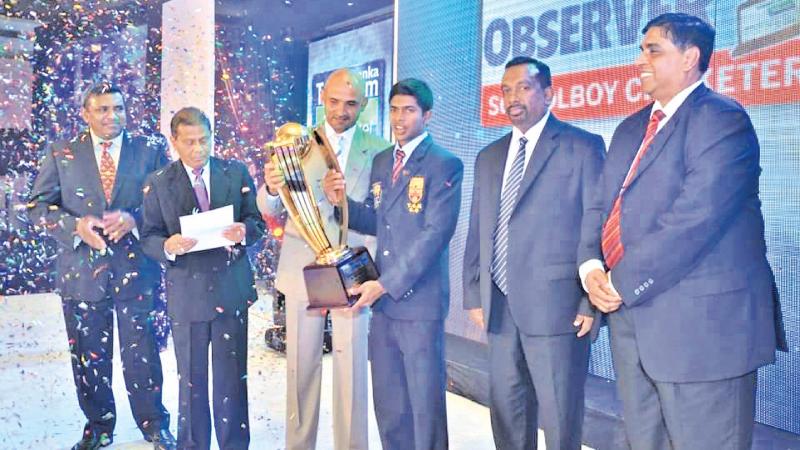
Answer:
(765, 77)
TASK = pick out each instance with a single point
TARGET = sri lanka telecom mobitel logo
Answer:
(591, 45)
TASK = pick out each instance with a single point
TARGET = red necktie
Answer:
(107, 170)
(613, 249)
(398, 164)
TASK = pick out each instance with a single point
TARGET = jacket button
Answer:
(386, 253)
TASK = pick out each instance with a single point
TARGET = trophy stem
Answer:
(333, 255)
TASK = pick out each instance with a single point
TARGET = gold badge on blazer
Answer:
(376, 193)
(416, 189)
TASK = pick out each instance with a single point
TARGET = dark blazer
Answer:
(412, 254)
(68, 187)
(202, 284)
(544, 292)
(694, 275)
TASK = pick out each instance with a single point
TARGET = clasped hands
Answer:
(113, 224)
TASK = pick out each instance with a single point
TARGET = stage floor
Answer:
(39, 409)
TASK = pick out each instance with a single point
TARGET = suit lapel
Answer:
(493, 178)
(662, 137)
(220, 186)
(544, 149)
(84, 158)
(410, 169)
(623, 155)
(184, 194)
(126, 159)
(656, 146)
(355, 161)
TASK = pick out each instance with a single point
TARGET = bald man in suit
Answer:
(343, 97)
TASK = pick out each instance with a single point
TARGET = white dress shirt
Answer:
(409, 148)
(114, 149)
(669, 110)
(341, 143)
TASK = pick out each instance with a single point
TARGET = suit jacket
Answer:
(68, 187)
(694, 275)
(413, 222)
(202, 284)
(295, 253)
(544, 291)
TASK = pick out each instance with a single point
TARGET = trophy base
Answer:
(327, 284)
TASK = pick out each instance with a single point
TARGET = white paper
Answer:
(207, 228)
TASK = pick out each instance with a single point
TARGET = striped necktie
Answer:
(611, 243)
(398, 164)
(507, 201)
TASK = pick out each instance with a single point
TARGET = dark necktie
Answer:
(613, 250)
(200, 191)
(507, 202)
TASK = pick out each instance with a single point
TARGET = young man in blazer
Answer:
(88, 195)
(531, 189)
(673, 250)
(208, 291)
(344, 100)
(412, 209)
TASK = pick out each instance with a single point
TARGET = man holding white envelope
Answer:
(208, 291)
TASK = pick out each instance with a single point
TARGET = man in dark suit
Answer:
(673, 250)
(412, 208)
(208, 291)
(520, 284)
(88, 196)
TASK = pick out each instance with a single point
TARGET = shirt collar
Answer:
(410, 146)
(333, 136)
(533, 133)
(672, 106)
(116, 143)
(204, 174)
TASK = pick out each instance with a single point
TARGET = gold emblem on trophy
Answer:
(304, 160)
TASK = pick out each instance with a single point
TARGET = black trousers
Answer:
(90, 330)
(227, 336)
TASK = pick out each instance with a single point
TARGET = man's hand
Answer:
(334, 187)
(601, 294)
(235, 232)
(369, 291)
(85, 229)
(273, 177)
(117, 224)
(476, 317)
(178, 245)
(585, 324)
